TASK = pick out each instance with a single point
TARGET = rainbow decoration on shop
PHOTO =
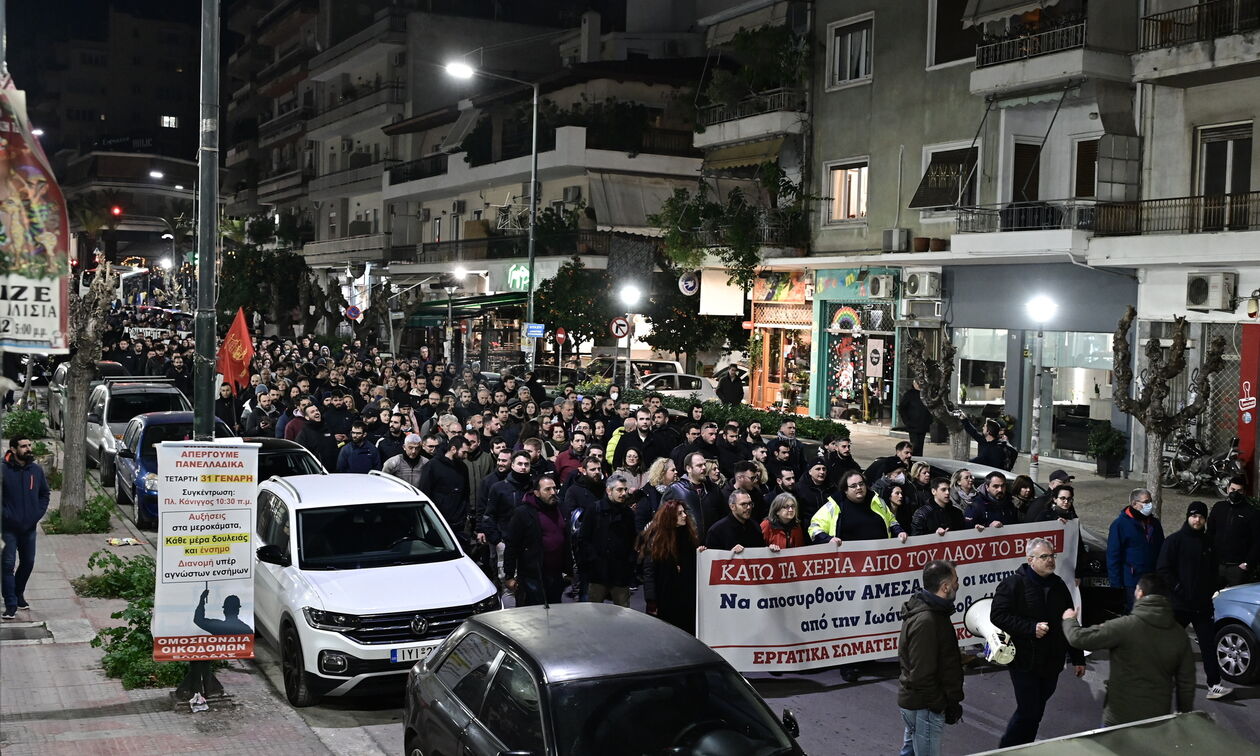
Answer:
(845, 318)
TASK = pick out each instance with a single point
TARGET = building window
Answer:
(170, 122)
(1085, 181)
(1225, 159)
(437, 230)
(848, 184)
(949, 178)
(948, 41)
(1026, 172)
(455, 224)
(851, 45)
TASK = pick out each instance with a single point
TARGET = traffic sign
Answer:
(535, 330)
(619, 327)
(748, 325)
(561, 335)
(463, 326)
(353, 312)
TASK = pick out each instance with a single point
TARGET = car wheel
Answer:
(107, 472)
(297, 683)
(1236, 653)
(121, 499)
(411, 744)
(1167, 477)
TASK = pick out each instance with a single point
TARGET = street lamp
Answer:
(165, 263)
(1041, 309)
(462, 70)
(630, 295)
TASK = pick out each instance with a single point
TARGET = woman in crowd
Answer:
(660, 476)
(919, 490)
(782, 528)
(557, 441)
(669, 565)
(962, 488)
(1022, 494)
(633, 470)
(900, 503)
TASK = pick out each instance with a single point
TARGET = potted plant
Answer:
(1107, 445)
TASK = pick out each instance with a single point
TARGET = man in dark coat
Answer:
(318, 439)
(736, 531)
(1234, 526)
(915, 417)
(812, 491)
(730, 388)
(537, 555)
(1029, 606)
(992, 506)
(25, 500)
(445, 481)
(1188, 565)
(838, 455)
(1133, 544)
(605, 544)
(503, 499)
(902, 455)
(931, 682)
(358, 456)
(391, 443)
(940, 516)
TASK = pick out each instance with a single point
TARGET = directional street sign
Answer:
(535, 330)
(619, 327)
(561, 335)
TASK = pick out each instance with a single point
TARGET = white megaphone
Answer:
(997, 644)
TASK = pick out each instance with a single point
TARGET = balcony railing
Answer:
(650, 141)
(1180, 215)
(389, 28)
(1076, 214)
(350, 176)
(771, 101)
(285, 62)
(347, 246)
(773, 229)
(287, 118)
(414, 170)
(1200, 23)
(510, 247)
(1027, 44)
(389, 93)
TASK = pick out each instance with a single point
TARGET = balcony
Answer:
(351, 181)
(286, 61)
(387, 33)
(1016, 231)
(351, 249)
(766, 114)
(652, 141)
(288, 124)
(283, 183)
(414, 170)
(365, 108)
(240, 153)
(249, 57)
(1027, 216)
(774, 229)
(509, 247)
(1180, 215)
(1201, 44)
(1044, 59)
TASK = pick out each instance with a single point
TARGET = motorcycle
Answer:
(1189, 466)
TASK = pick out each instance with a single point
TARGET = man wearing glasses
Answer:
(1059, 505)
(1029, 605)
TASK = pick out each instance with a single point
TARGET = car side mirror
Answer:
(94, 417)
(790, 724)
(271, 554)
(125, 453)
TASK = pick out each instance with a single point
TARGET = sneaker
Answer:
(10, 613)
(23, 605)
(1218, 691)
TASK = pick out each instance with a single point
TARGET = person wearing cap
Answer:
(1040, 505)
(410, 463)
(813, 490)
(1188, 564)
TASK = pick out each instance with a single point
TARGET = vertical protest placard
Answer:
(204, 605)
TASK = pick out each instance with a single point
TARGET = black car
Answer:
(577, 679)
(276, 456)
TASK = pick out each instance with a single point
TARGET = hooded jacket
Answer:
(26, 494)
(931, 663)
(1188, 563)
(1133, 545)
(1150, 659)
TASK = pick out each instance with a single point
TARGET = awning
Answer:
(741, 155)
(468, 118)
(462, 307)
(624, 202)
(942, 179)
(983, 11)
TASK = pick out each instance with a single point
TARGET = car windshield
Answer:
(286, 463)
(707, 709)
(123, 407)
(372, 535)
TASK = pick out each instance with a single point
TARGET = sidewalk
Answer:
(55, 699)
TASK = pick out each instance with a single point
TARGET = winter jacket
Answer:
(730, 390)
(931, 663)
(445, 482)
(783, 536)
(1235, 531)
(913, 413)
(1150, 659)
(727, 533)
(389, 445)
(993, 453)
(358, 457)
(319, 440)
(930, 517)
(672, 583)
(582, 495)
(810, 498)
(840, 518)
(479, 464)
(838, 465)
(694, 496)
(1188, 563)
(605, 544)
(536, 541)
(645, 509)
(254, 421)
(26, 494)
(1133, 545)
(502, 500)
(402, 466)
(566, 462)
(1019, 603)
(985, 509)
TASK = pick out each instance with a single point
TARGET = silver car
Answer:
(59, 384)
(113, 404)
(682, 385)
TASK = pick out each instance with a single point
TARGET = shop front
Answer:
(782, 321)
(856, 345)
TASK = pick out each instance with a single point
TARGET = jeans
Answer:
(1032, 691)
(532, 590)
(923, 732)
(19, 553)
(1206, 632)
(620, 594)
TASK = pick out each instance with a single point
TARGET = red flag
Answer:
(236, 352)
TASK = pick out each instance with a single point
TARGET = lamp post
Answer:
(1041, 309)
(462, 70)
(630, 295)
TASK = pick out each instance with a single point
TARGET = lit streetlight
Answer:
(156, 174)
(630, 294)
(1041, 310)
(166, 263)
(37, 132)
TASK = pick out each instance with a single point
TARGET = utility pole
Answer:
(207, 225)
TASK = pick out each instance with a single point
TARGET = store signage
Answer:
(518, 278)
(535, 330)
(874, 358)
(689, 283)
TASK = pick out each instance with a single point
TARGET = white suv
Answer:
(356, 578)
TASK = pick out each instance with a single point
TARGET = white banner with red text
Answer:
(819, 606)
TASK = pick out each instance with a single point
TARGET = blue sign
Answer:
(535, 330)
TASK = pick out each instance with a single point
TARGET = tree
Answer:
(678, 326)
(88, 315)
(578, 300)
(1150, 407)
(934, 377)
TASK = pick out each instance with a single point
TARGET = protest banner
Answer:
(820, 606)
(206, 509)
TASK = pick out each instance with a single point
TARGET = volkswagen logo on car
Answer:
(419, 624)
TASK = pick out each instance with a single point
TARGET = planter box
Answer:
(1109, 467)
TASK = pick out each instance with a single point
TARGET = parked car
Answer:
(1237, 630)
(356, 578)
(682, 385)
(136, 464)
(544, 680)
(59, 382)
(1099, 601)
(615, 369)
(113, 404)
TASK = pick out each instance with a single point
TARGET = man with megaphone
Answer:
(1029, 606)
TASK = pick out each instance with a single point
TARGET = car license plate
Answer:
(410, 653)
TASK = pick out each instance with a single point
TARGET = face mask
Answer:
(1146, 508)
(1238, 497)
(899, 478)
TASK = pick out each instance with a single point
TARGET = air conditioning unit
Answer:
(457, 207)
(921, 309)
(921, 284)
(423, 214)
(880, 287)
(1211, 290)
(896, 239)
(573, 194)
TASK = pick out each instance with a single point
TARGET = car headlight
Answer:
(335, 621)
(151, 482)
(490, 604)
